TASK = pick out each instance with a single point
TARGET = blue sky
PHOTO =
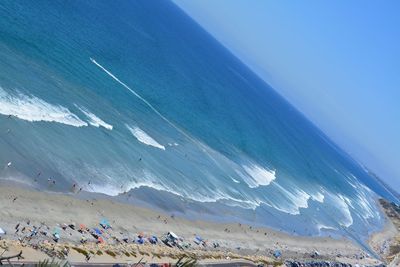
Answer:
(338, 62)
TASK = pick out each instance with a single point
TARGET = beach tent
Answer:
(100, 240)
(173, 235)
(56, 231)
(153, 239)
(198, 240)
(82, 228)
(277, 253)
(140, 240)
(105, 224)
(56, 234)
(2, 232)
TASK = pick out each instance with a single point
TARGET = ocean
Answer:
(134, 100)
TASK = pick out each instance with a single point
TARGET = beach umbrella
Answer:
(97, 231)
(100, 240)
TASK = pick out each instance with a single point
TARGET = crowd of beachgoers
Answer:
(102, 230)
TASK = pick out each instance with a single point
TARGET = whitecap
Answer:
(172, 144)
(292, 200)
(94, 120)
(256, 175)
(143, 137)
(33, 109)
(318, 197)
(342, 205)
(234, 180)
(323, 226)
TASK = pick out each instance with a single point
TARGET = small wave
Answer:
(342, 205)
(234, 180)
(296, 200)
(31, 108)
(326, 227)
(318, 197)
(94, 120)
(143, 137)
(257, 176)
(173, 144)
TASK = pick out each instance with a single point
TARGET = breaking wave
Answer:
(318, 197)
(256, 175)
(143, 137)
(94, 120)
(294, 200)
(32, 108)
(341, 209)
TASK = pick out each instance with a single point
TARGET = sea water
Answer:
(133, 96)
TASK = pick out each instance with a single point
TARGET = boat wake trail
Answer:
(203, 147)
(141, 98)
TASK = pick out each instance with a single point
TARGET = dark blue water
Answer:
(134, 96)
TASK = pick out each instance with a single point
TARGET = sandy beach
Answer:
(45, 212)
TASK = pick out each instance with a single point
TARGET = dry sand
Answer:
(18, 205)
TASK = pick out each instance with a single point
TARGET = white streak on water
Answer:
(318, 197)
(140, 97)
(143, 137)
(33, 109)
(94, 120)
(256, 175)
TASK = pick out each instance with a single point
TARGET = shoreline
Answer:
(19, 204)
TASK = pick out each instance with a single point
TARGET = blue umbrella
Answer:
(97, 231)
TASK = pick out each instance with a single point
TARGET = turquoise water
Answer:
(133, 96)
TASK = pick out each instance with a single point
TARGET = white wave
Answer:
(173, 144)
(257, 176)
(318, 197)
(322, 226)
(143, 137)
(106, 188)
(94, 120)
(363, 198)
(342, 205)
(31, 108)
(292, 200)
(234, 180)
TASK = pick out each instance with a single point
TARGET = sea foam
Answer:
(257, 175)
(143, 137)
(94, 120)
(32, 108)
